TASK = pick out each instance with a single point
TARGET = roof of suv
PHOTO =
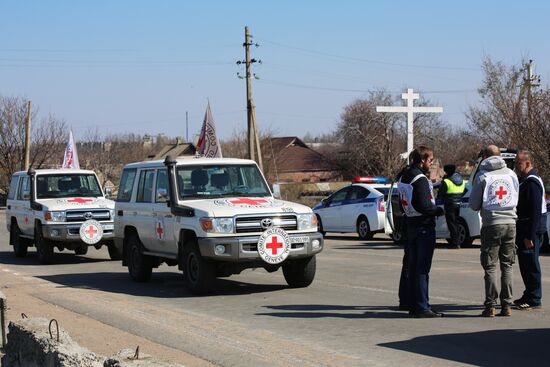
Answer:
(56, 171)
(191, 161)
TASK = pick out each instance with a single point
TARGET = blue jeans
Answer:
(529, 267)
(421, 244)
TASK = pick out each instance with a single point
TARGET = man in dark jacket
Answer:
(418, 204)
(451, 192)
(530, 228)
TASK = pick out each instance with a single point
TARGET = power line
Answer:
(379, 62)
(303, 86)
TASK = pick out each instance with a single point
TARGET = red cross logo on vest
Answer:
(404, 202)
(91, 231)
(79, 200)
(274, 246)
(248, 201)
(160, 230)
(501, 192)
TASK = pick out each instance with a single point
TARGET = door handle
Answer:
(120, 213)
(9, 207)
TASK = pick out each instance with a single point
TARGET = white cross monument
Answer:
(409, 110)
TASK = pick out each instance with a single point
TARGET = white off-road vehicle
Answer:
(63, 208)
(212, 217)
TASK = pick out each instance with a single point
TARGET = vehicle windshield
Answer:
(215, 181)
(67, 186)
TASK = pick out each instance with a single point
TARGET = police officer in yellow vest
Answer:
(451, 192)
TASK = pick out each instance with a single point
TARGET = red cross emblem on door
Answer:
(248, 201)
(79, 200)
(501, 192)
(274, 245)
(160, 230)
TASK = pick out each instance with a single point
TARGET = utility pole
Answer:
(529, 82)
(187, 126)
(28, 136)
(253, 139)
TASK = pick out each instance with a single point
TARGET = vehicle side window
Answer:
(145, 186)
(358, 192)
(126, 185)
(13, 187)
(24, 187)
(339, 195)
(162, 186)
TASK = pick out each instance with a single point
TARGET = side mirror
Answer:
(162, 195)
(325, 201)
(108, 192)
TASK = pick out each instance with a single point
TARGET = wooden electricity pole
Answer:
(253, 139)
(28, 137)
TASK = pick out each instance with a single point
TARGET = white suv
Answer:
(58, 208)
(212, 217)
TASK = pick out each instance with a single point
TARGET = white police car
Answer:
(359, 207)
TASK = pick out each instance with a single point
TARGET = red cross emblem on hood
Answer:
(248, 201)
(79, 200)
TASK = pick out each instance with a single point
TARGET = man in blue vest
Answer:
(451, 192)
(495, 194)
(530, 228)
(418, 203)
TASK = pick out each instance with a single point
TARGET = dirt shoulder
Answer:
(89, 333)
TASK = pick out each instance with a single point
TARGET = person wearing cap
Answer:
(451, 192)
(530, 228)
(418, 202)
(495, 192)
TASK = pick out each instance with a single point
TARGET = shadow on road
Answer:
(362, 312)
(59, 258)
(162, 284)
(492, 348)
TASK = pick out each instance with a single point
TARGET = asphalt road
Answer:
(347, 317)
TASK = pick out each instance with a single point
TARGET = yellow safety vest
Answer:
(454, 189)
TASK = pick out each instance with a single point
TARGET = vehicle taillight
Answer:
(381, 205)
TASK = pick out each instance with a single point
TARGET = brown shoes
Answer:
(488, 312)
(505, 311)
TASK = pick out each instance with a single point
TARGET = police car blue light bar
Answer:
(371, 179)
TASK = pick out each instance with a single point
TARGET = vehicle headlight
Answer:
(217, 225)
(55, 216)
(307, 221)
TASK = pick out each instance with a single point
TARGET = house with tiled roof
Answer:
(291, 160)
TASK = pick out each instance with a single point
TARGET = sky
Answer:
(135, 66)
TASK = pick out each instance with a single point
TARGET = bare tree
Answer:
(503, 117)
(47, 140)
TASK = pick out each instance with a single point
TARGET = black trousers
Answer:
(452, 213)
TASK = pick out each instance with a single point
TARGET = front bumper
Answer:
(65, 232)
(246, 248)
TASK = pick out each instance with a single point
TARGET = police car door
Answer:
(164, 220)
(332, 211)
(356, 204)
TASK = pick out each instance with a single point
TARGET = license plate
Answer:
(299, 239)
(108, 226)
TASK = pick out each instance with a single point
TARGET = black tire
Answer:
(140, 266)
(114, 252)
(320, 226)
(199, 274)
(396, 236)
(299, 273)
(363, 228)
(81, 250)
(19, 246)
(44, 249)
(464, 239)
